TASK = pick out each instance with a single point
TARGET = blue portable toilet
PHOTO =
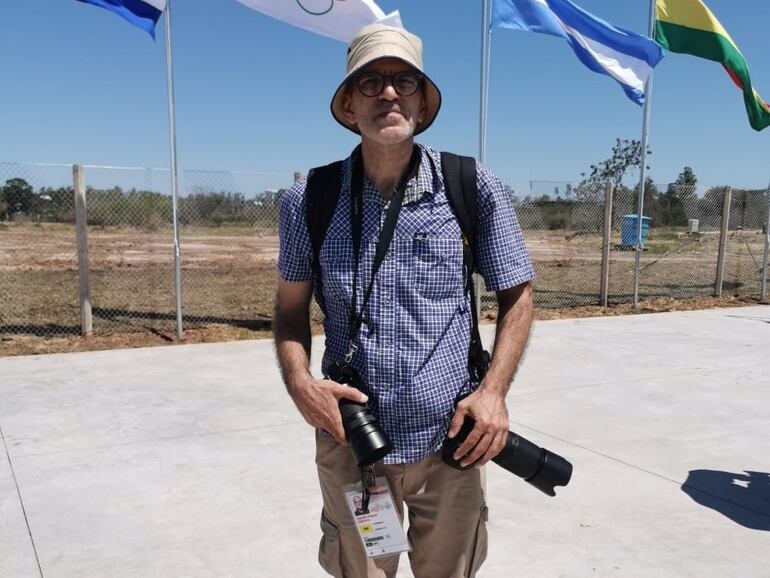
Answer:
(628, 230)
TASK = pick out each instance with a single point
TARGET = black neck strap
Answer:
(385, 238)
(478, 357)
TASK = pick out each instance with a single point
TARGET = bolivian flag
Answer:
(688, 26)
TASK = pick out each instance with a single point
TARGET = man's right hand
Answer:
(318, 402)
(317, 399)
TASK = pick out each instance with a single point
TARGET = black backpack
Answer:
(322, 192)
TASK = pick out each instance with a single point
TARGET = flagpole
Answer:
(483, 100)
(485, 34)
(643, 170)
(174, 180)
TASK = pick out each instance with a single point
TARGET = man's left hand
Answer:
(487, 438)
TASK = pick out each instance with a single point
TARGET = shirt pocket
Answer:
(438, 266)
(336, 260)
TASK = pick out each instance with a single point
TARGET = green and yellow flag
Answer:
(688, 26)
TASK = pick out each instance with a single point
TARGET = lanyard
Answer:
(386, 236)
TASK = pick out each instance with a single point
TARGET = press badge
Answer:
(378, 524)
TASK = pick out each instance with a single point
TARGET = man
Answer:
(411, 350)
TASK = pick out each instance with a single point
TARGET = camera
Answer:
(368, 441)
(537, 466)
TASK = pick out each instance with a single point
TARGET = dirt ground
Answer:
(229, 282)
(33, 345)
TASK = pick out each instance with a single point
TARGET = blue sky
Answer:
(83, 86)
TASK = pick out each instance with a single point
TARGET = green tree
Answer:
(678, 197)
(16, 196)
(59, 205)
(652, 206)
(686, 178)
(626, 154)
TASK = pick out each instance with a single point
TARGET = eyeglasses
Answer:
(405, 83)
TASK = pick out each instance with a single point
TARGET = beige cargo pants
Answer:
(446, 508)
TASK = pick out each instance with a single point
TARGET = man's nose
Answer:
(388, 91)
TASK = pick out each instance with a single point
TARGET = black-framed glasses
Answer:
(405, 83)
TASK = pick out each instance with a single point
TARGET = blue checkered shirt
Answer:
(413, 344)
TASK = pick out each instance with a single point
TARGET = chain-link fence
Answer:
(681, 257)
(228, 230)
(38, 251)
(564, 237)
(229, 245)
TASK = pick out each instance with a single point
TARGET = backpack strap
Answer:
(461, 190)
(459, 174)
(322, 191)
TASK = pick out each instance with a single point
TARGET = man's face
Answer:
(388, 118)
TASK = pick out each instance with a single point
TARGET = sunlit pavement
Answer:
(191, 461)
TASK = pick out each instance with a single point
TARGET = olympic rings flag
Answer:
(338, 19)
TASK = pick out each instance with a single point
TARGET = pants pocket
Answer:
(479, 552)
(329, 549)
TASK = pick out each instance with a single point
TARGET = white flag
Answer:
(338, 19)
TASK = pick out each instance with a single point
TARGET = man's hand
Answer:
(318, 402)
(487, 404)
(487, 438)
(316, 399)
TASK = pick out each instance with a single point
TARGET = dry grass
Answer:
(229, 282)
(214, 332)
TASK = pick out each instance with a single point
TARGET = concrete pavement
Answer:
(191, 461)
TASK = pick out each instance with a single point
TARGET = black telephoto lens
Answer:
(537, 466)
(368, 442)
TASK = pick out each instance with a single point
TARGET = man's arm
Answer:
(316, 399)
(487, 404)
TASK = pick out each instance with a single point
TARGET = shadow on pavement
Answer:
(744, 498)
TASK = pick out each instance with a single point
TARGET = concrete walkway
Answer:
(191, 461)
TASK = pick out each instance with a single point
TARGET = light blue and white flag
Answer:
(141, 13)
(625, 56)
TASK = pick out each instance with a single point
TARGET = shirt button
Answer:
(385, 386)
(387, 299)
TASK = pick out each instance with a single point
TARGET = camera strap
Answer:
(367, 481)
(478, 357)
(383, 243)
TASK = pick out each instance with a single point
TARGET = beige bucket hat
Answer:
(376, 41)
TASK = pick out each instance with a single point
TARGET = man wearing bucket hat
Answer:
(410, 345)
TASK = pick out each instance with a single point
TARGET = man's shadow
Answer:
(744, 498)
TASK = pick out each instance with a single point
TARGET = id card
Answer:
(379, 526)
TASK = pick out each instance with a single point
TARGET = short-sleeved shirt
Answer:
(413, 345)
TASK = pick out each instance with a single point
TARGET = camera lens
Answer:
(537, 466)
(368, 441)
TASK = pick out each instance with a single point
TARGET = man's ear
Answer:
(347, 107)
(422, 110)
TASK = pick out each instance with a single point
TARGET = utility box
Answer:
(692, 225)
(628, 230)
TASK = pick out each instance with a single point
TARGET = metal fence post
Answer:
(81, 227)
(723, 242)
(766, 257)
(605, 275)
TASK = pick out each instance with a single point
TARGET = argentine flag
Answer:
(625, 56)
(141, 13)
